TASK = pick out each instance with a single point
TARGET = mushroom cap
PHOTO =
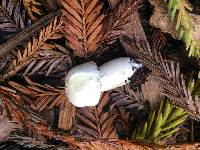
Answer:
(82, 85)
(117, 72)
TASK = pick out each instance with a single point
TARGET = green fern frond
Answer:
(161, 125)
(184, 24)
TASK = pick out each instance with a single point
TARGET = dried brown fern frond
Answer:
(164, 71)
(52, 4)
(119, 17)
(45, 97)
(13, 18)
(83, 22)
(124, 123)
(47, 64)
(158, 38)
(167, 73)
(125, 100)
(114, 145)
(42, 129)
(11, 47)
(126, 97)
(28, 119)
(36, 45)
(32, 7)
(14, 104)
(97, 122)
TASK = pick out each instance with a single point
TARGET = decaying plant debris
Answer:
(41, 40)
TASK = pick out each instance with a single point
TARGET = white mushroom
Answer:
(83, 85)
(117, 72)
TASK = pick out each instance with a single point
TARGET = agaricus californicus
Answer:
(84, 83)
